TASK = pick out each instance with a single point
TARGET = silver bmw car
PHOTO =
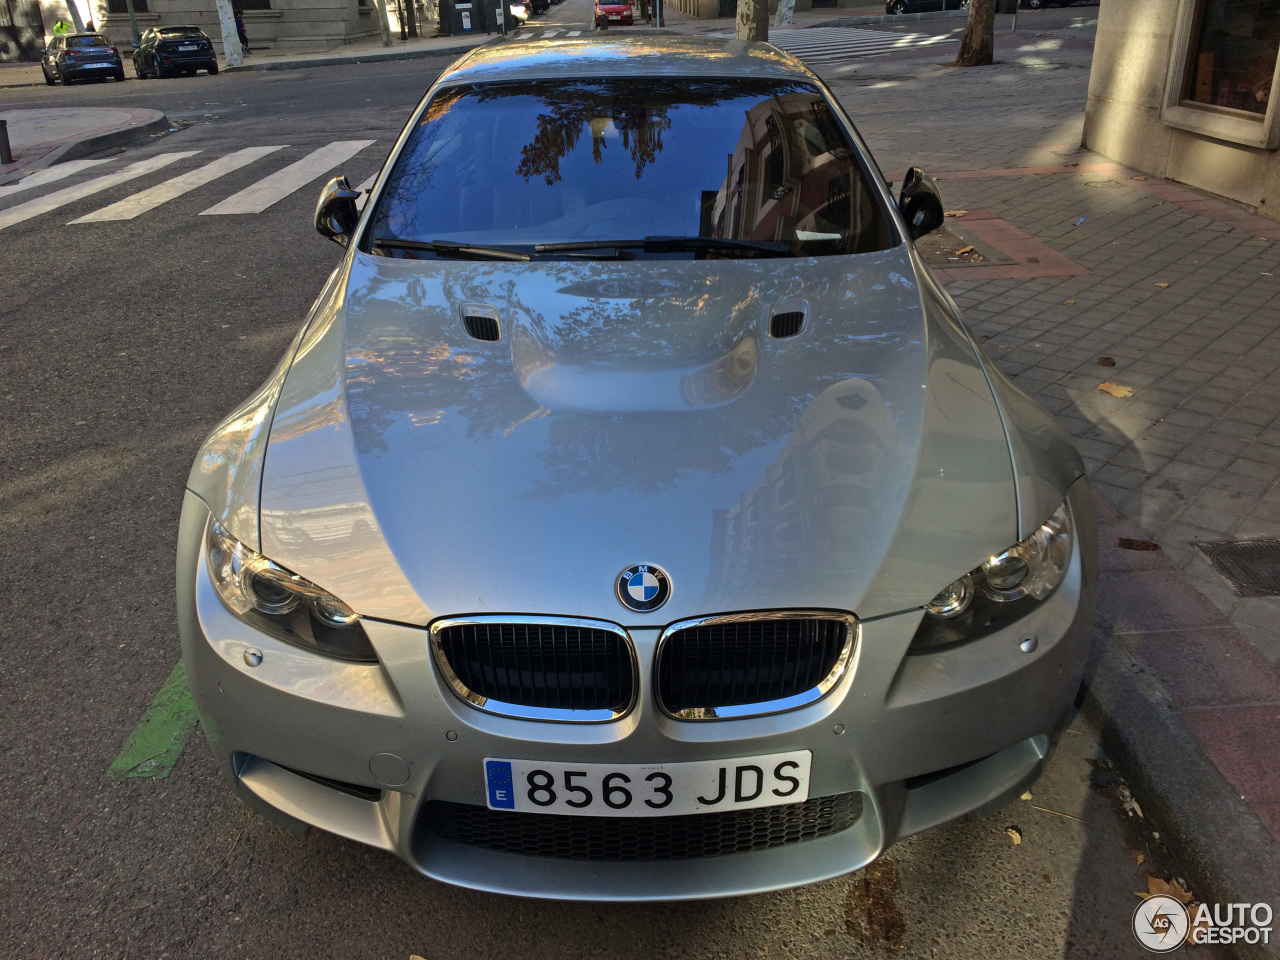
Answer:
(633, 516)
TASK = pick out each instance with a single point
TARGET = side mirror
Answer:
(920, 203)
(336, 213)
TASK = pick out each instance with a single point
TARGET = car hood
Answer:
(635, 412)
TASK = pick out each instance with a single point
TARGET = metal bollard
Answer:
(6, 155)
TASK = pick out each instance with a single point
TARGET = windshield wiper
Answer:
(769, 248)
(449, 248)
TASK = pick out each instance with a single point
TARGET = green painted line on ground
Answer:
(157, 741)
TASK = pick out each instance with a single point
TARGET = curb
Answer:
(1229, 852)
(74, 149)
(375, 57)
(158, 123)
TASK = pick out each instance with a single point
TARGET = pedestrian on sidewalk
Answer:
(61, 29)
(242, 34)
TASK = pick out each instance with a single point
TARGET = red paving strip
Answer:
(1034, 258)
(1226, 694)
(1167, 190)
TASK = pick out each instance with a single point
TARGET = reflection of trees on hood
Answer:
(424, 371)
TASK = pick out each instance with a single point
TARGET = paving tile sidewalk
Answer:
(1180, 292)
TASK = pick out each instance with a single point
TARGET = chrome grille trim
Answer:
(842, 665)
(521, 711)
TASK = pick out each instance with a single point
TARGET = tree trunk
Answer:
(411, 17)
(978, 45)
(753, 19)
(786, 13)
(230, 38)
(383, 22)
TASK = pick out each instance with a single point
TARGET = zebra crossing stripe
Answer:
(60, 198)
(50, 175)
(274, 188)
(140, 203)
(825, 44)
(574, 33)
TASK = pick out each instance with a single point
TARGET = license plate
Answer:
(94, 66)
(647, 789)
(188, 46)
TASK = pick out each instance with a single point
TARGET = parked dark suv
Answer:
(79, 56)
(168, 51)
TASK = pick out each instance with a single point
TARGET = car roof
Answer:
(177, 26)
(627, 56)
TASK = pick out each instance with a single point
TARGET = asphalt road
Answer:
(121, 344)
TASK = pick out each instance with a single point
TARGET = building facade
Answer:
(282, 24)
(1190, 90)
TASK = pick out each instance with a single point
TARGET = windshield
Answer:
(170, 33)
(86, 42)
(568, 162)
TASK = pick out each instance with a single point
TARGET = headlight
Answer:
(1003, 589)
(283, 604)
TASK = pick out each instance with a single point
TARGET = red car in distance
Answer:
(614, 13)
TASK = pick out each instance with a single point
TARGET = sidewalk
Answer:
(1111, 277)
(40, 138)
(364, 51)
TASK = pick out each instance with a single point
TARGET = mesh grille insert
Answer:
(482, 328)
(688, 837)
(742, 662)
(786, 324)
(547, 666)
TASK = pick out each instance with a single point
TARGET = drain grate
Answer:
(1253, 566)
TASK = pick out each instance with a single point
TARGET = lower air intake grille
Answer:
(689, 837)
(545, 671)
(726, 667)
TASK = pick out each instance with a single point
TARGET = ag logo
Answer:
(1160, 923)
(643, 587)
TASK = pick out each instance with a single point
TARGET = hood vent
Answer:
(482, 328)
(787, 324)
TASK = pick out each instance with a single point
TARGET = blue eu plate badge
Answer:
(502, 794)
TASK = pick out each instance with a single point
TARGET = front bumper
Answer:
(923, 739)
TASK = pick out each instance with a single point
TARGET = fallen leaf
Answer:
(1161, 284)
(1141, 858)
(956, 213)
(1033, 259)
(1106, 362)
(1129, 543)
(1137, 178)
(1070, 301)
(1161, 888)
(1014, 834)
(1026, 796)
(1116, 390)
(968, 249)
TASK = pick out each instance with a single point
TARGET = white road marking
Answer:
(50, 175)
(60, 198)
(827, 44)
(274, 188)
(574, 33)
(550, 33)
(140, 203)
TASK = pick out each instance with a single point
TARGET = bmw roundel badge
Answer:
(642, 587)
